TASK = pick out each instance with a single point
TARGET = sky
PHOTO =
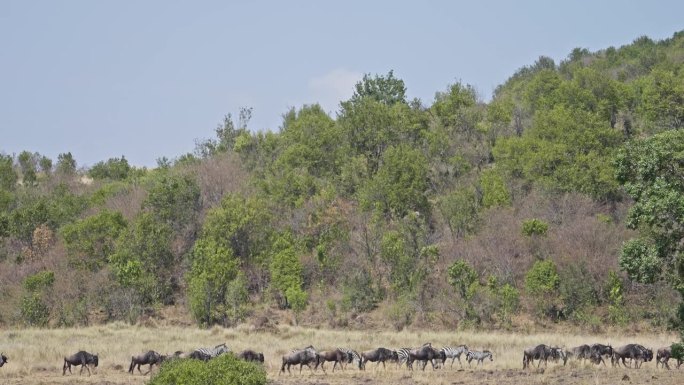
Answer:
(147, 79)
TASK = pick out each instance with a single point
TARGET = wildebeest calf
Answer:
(251, 355)
(82, 358)
(150, 358)
(3, 359)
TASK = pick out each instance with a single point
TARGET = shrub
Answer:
(225, 370)
(534, 226)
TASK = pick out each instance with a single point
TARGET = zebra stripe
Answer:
(352, 355)
(479, 356)
(454, 353)
(403, 356)
(205, 354)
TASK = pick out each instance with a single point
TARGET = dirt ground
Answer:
(571, 375)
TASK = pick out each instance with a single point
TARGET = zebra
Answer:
(403, 356)
(352, 355)
(454, 353)
(479, 356)
(205, 354)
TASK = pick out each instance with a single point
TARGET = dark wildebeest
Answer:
(306, 356)
(634, 352)
(82, 358)
(337, 355)
(150, 358)
(424, 353)
(377, 355)
(663, 355)
(558, 354)
(598, 351)
(539, 352)
(251, 355)
(351, 356)
(582, 352)
(479, 356)
(3, 359)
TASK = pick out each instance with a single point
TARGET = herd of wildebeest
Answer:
(596, 354)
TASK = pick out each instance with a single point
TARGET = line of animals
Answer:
(596, 353)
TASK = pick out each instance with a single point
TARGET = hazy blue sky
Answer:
(144, 79)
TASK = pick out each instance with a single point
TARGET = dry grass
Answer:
(36, 356)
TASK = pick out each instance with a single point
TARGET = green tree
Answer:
(216, 288)
(465, 279)
(173, 199)
(401, 184)
(66, 164)
(34, 309)
(8, 176)
(28, 165)
(652, 172)
(286, 271)
(143, 259)
(460, 210)
(113, 169)
(92, 240)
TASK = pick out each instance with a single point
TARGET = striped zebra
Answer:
(205, 354)
(352, 356)
(403, 356)
(454, 353)
(479, 356)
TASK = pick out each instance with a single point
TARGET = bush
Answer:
(534, 226)
(224, 370)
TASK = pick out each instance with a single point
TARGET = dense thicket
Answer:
(560, 200)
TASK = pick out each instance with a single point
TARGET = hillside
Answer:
(527, 211)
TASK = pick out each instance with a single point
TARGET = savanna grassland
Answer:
(37, 355)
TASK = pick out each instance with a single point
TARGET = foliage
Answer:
(216, 288)
(8, 177)
(401, 184)
(494, 191)
(143, 259)
(360, 293)
(173, 199)
(460, 210)
(542, 278)
(465, 279)
(112, 169)
(34, 310)
(225, 369)
(652, 171)
(286, 272)
(66, 164)
(534, 226)
(92, 240)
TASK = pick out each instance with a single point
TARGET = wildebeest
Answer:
(82, 358)
(539, 352)
(558, 354)
(3, 359)
(251, 355)
(582, 352)
(454, 353)
(424, 353)
(336, 356)
(634, 352)
(150, 358)
(377, 355)
(352, 355)
(305, 356)
(479, 356)
(663, 355)
(598, 351)
(205, 354)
